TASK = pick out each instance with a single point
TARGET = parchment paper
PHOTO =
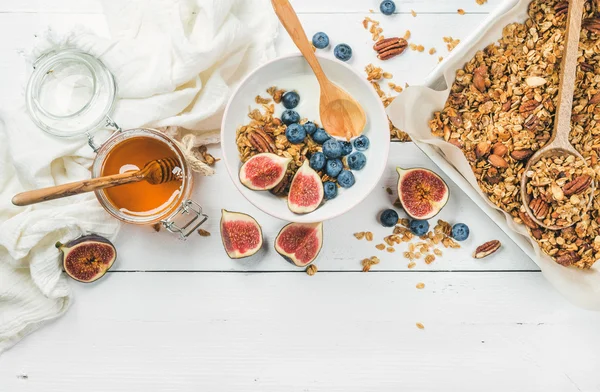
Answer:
(411, 112)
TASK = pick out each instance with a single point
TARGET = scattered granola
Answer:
(481, 2)
(451, 43)
(157, 226)
(420, 285)
(203, 233)
(432, 51)
(311, 270)
(375, 76)
(359, 235)
(368, 263)
(559, 190)
(373, 27)
(413, 13)
(461, 11)
(420, 326)
(506, 95)
(369, 236)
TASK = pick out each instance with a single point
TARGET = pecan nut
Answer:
(390, 47)
(487, 249)
(261, 141)
(532, 122)
(592, 24)
(578, 185)
(281, 189)
(568, 258)
(539, 208)
(527, 220)
(562, 7)
(521, 155)
(536, 233)
(497, 162)
(529, 106)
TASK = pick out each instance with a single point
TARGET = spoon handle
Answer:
(75, 188)
(568, 78)
(288, 18)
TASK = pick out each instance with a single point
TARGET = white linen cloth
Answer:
(175, 63)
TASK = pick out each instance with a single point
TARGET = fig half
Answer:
(422, 193)
(87, 258)
(241, 234)
(306, 190)
(263, 171)
(300, 243)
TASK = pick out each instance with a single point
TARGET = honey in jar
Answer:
(140, 198)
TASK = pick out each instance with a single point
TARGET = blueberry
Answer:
(330, 190)
(460, 232)
(387, 7)
(419, 227)
(388, 218)
(356, 161)
(320, 40)
(342, 52)
(346, 179)
(295, 133)
(310, 128)
(346, 148)
(317, 161)
(320, 136)
(290, 116)
(334, 167)
(332, 149)
(362, 143)
(290, 100)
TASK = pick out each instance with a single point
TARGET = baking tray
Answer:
(411, 112)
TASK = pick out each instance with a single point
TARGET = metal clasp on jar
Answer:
(188, 207)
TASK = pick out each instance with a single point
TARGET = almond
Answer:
(482, 149)
(521, 155)
(497, 161)
(500, 149)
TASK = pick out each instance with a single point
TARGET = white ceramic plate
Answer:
(293, 73)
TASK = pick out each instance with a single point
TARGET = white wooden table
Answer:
(175, 316)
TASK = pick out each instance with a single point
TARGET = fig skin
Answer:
(291, 257)
(436, 206)
(227, 216)
(87, 258)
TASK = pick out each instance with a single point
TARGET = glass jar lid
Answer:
(70, 93)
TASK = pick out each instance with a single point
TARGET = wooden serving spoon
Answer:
(155, 172)
(559, 143)
(341, 115)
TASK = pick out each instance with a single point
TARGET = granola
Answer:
(559, 190)
(266, 133)
(506, 96)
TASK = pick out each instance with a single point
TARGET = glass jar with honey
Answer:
(92, 96)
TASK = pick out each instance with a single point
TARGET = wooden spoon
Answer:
(341, 115)
(559, 143)
(155, 172)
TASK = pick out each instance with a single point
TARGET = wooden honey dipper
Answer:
(155, 172)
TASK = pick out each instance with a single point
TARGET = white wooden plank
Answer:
(341, 250)
(301, 6)
(330, 332)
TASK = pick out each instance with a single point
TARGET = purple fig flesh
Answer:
(87, 258)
